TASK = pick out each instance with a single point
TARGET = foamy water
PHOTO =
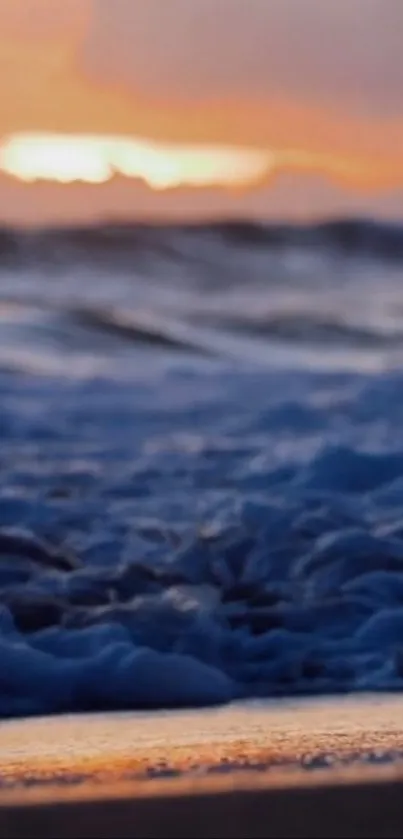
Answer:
(201, 467)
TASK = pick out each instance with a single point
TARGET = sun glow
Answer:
(96, 159)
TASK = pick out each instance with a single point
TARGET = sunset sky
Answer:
(170, 107)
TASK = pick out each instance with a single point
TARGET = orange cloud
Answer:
(310, 51)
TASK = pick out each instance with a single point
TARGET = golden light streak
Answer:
(96, 159)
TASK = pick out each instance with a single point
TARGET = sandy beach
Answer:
(329, 767)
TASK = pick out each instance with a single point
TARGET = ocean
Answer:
(201, 464)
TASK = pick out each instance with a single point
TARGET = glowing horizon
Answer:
(94, 159)
(66, 158)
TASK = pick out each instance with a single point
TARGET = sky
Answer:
(163, 107)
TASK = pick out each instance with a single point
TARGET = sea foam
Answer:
(193, 538)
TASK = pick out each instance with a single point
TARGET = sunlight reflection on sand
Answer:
(252, 736)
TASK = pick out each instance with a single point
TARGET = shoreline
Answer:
(256, 735)
(252, 769)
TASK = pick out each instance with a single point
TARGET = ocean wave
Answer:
(309, 327)
(42, 336)
(201, 464)
(118, 242)
(278, 313)
(197, 538)
(140, 328)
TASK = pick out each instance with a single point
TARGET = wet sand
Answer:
(329, 767)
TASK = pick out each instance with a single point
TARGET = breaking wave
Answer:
(201, 465)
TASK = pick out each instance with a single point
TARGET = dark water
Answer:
(201, 464)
